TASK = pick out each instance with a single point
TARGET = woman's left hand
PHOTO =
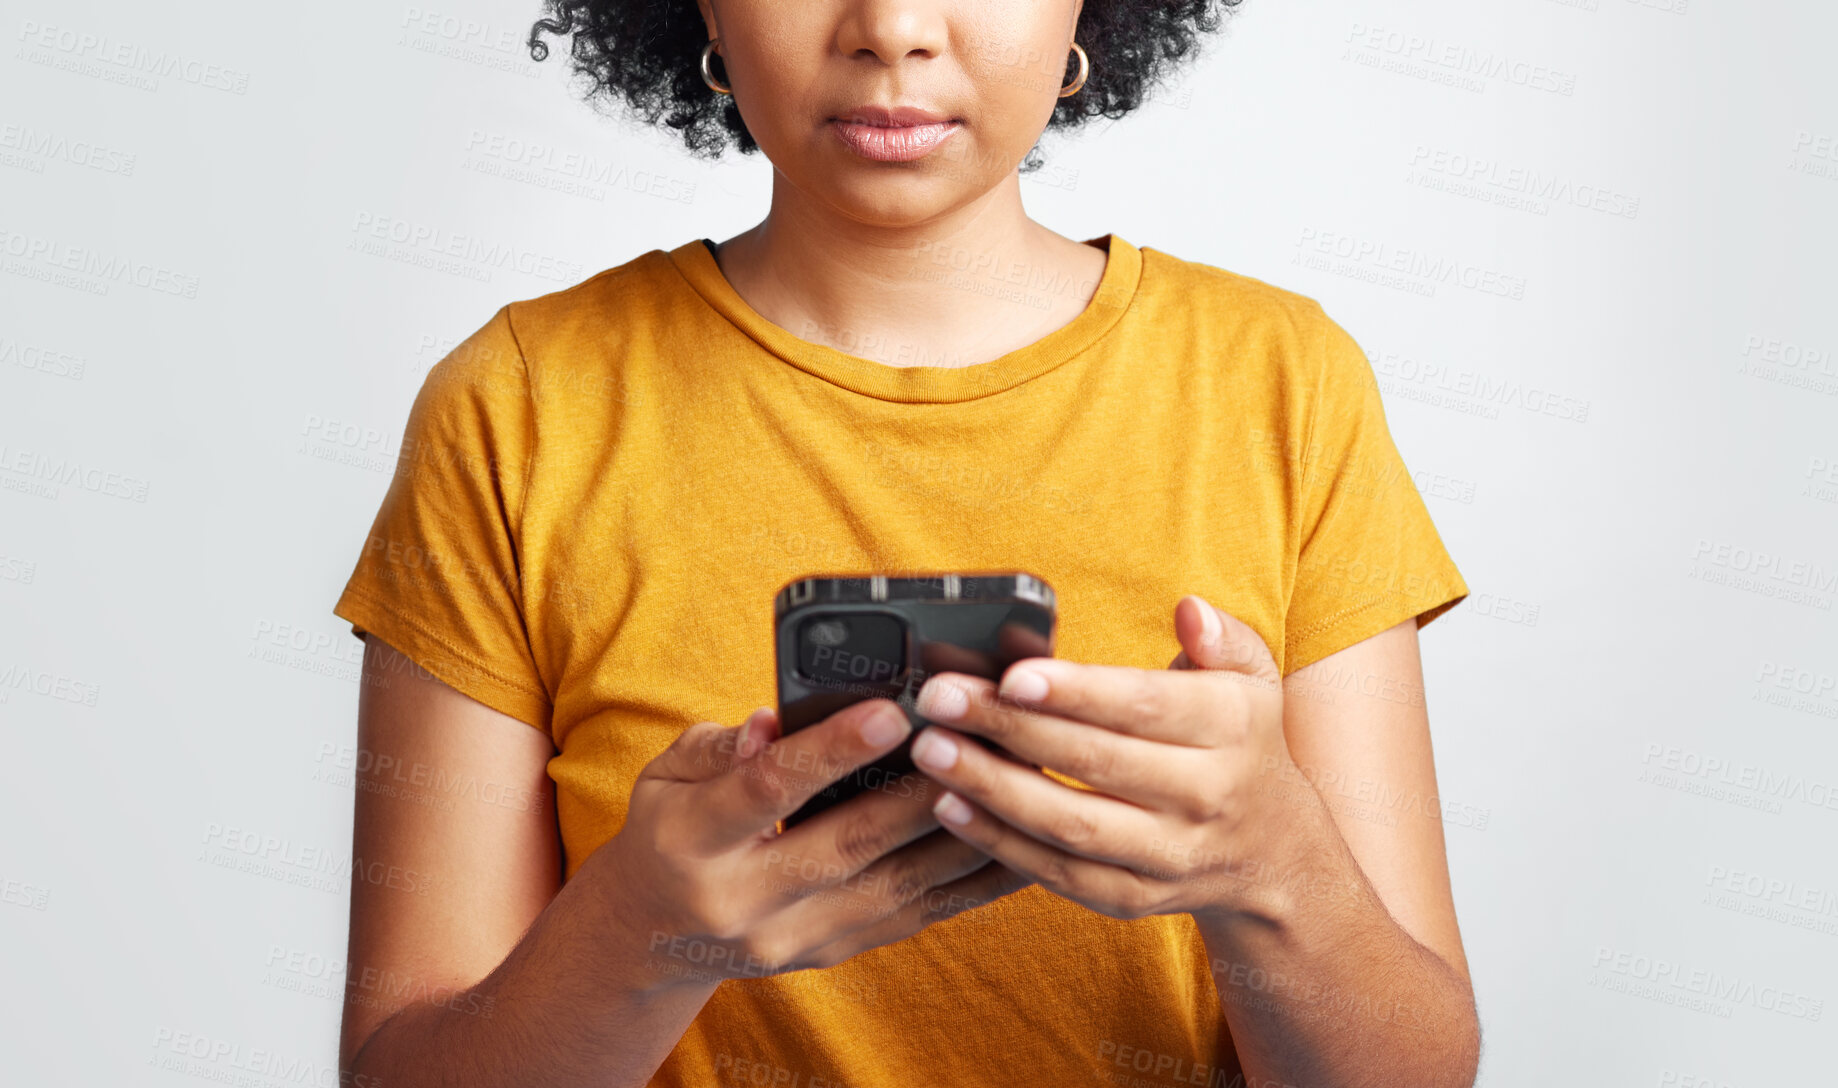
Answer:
(1186, 766)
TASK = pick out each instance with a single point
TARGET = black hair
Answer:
(647, 54)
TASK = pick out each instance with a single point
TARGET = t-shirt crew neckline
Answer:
(925, 384)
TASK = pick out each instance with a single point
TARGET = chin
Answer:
(884, 196)
(898, 205)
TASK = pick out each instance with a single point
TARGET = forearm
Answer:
(1322, 988)
(578, 1001)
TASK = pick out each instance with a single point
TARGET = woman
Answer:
(1228, 872)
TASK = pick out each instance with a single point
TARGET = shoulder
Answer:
(565, 342)
(1252, 321)
(1222, 301)
(603, 303)
(497, 368)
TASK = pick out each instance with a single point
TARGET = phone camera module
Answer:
(863, 648)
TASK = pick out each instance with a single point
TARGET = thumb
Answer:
(708, 749)
(754, 735)
(1214, 639)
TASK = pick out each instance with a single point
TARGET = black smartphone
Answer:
(842, 639)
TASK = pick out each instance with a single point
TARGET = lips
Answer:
(892, 116)
(892, 134)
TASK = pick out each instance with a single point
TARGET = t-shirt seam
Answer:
(523, 496)
(1302, 492)
(1308, 435)
(723, 319)
(1334, 619)
(529, 401)
(429, 633)
(1319, 627)
(1123, 311)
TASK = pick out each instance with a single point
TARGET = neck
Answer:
(926, 290)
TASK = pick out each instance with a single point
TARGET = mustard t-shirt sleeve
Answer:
(438, 575)
(1370, 556)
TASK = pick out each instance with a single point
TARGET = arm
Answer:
(472, 969)
(467, 967)
(1357, 974)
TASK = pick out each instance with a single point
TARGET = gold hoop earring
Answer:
(1072, 88)
(708, 74)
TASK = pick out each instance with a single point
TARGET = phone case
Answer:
(845, 638)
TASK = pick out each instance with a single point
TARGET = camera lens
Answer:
(858, 648)
(829, 633)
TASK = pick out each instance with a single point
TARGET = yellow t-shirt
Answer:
(601, 489)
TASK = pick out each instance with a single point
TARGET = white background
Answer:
(1635, 713)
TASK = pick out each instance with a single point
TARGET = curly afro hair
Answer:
(647, 53)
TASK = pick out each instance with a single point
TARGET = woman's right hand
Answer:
(699, 876)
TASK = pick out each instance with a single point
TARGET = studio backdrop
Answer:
(1589, 246)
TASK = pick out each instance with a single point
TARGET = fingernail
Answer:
(884, 726)
(951, 810)
(1209, 624)
(942, 701)
(1023, 685)
(935, 751)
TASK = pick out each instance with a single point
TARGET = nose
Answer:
(891, 30)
